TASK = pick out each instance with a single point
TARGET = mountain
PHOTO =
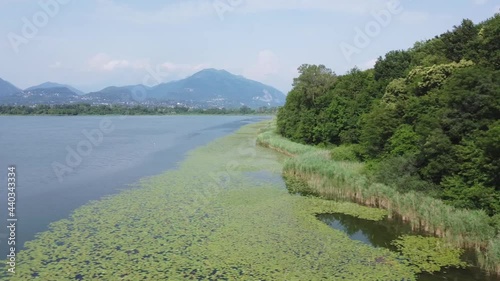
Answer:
(207, 88)
(111, 95)
(61, 95)
(49, 85)
(219, 88)
(7, 89)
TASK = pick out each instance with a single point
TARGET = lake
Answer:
(223, 213)
(382, 233)
(63, 162)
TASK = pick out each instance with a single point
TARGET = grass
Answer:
(322, 176)
(210, 219)
(268, 138)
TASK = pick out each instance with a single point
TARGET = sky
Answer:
(93, 44)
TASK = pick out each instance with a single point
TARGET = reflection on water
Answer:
(382, 233)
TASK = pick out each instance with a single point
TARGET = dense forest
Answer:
(424, 119)
(87, 109)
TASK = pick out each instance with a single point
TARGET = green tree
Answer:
(394, 65)
(314, 80)
(459, 42)
(404, 142)
(377, 128)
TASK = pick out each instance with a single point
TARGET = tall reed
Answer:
(329, 179)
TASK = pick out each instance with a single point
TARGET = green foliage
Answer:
(490, 144)
(314, 81)
(404, 141)
(428, 53)
(331, 117)
(433, 109)
(377, 127)
(488, 43)
(394, 65)
(400, 172)
(426, 120)
(460, 42)
(344, 153)
(475, 196)
(395, 91)
(429, 254)
(208, 220)
(428, 78)
(470, 101)
(87, 109)
(314, 173)
(270, 139)
(495, 222)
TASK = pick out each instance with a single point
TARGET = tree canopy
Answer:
(431, 112)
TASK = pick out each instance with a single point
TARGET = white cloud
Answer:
(170, 70)
(267, 64)
(148, 73)
(182, 11)
(176, 68)
(103, 62)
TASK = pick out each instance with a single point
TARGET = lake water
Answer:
(382, 233)
(63, 162)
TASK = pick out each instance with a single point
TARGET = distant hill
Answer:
(49, 85)
(112, 95)
(219, 86)
(7, 89)
(61, 95)
(205, 89)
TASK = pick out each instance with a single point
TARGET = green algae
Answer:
(207, 220)
(429, 254)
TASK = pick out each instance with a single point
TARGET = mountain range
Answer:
(51, 85)
(205, 89)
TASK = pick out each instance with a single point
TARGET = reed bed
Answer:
(342, 180)
(269, 139)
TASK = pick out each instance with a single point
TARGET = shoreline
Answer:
(324, 178)
(212, 217)
(138, 115)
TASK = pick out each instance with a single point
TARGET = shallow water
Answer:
(216, 217)
(137, 147)
(382, 233)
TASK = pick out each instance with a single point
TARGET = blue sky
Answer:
(96, 43)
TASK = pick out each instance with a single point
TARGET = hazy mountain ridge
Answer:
(7, 89)
(206, 88)
(50, 85)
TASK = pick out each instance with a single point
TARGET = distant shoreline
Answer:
(120, 110)
(178, 114)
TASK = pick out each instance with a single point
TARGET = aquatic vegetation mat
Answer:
(429, 253)
(313, 171)
(210, 219)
